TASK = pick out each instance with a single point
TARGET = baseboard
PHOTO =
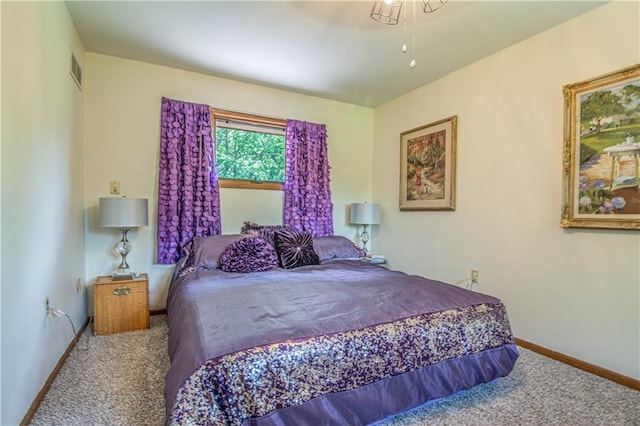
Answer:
(574, 362)
(158, 312)
(47, 385)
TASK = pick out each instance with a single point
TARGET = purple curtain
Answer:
(307, 198)
(188, 195)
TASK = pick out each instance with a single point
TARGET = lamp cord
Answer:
(58, 313)
(467, 282)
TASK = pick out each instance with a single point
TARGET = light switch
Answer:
(114, 187)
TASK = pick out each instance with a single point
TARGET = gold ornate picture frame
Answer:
(601, 152)
(428, 166)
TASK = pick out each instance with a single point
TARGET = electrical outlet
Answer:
(114, 187)
(46, 305)
(474, 276)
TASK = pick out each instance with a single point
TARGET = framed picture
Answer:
(601, 152)
(428, 166)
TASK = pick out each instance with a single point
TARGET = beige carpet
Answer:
(119, 380)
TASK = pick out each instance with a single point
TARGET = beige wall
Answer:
(1, 365)
(122, 139)
(42, 197)
(575, 291)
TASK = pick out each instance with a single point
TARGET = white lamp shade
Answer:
(365, 214)
(122, 212)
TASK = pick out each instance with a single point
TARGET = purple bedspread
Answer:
(220, 322)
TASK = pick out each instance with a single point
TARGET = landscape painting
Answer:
(602, 152)
(427, 166)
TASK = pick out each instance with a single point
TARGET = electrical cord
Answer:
(58, 313)
(467, 282)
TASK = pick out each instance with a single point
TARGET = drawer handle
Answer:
(122, 291)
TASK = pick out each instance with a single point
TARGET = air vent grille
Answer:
(76, 71)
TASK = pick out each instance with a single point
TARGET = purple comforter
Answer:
(264, 347)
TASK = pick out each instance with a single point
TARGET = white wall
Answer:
(122, 99)
(575, 291)
(0, 214)
(42, 197)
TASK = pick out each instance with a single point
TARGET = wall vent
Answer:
(76, 71)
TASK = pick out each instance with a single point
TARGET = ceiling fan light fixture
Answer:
(429, 6)
(386, 11)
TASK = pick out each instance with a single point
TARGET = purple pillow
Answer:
(207, 250)
(295, 249)
(250, 254)
(336, 247)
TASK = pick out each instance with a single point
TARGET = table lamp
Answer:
(124, 213)
(365, 214)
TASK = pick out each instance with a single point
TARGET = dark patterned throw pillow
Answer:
(189, 261)
(251, 254)
(263, 231)
(295, 249)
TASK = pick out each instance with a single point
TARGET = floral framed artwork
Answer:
(428, 166)
(601, 152)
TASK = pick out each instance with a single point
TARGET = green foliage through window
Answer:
(252, 155)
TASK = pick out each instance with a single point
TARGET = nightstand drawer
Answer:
(120, 305)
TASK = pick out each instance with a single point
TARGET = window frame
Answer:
(251, 119)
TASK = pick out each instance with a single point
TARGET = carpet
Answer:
(119, 380)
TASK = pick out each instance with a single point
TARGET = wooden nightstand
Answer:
(120, 305)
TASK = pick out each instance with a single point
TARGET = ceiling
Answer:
(331, 49)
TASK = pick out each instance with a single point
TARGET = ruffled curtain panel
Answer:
(188, 194)
(307, 197)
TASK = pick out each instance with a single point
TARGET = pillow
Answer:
(187, 265)
(250, 254)
(295, 249)
(207, 250)
(266, 232)
(336, 247)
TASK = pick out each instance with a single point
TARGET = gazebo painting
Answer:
(602, 152)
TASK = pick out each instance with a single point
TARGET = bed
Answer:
(337, 341)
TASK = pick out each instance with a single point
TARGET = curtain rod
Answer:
(247, 118)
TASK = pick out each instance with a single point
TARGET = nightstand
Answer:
(120, 305)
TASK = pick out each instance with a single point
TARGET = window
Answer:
(250, 150)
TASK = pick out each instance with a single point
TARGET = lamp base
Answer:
(364, 237)
(119, 276)
(123, 248)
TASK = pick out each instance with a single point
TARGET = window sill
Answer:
(248, 184)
